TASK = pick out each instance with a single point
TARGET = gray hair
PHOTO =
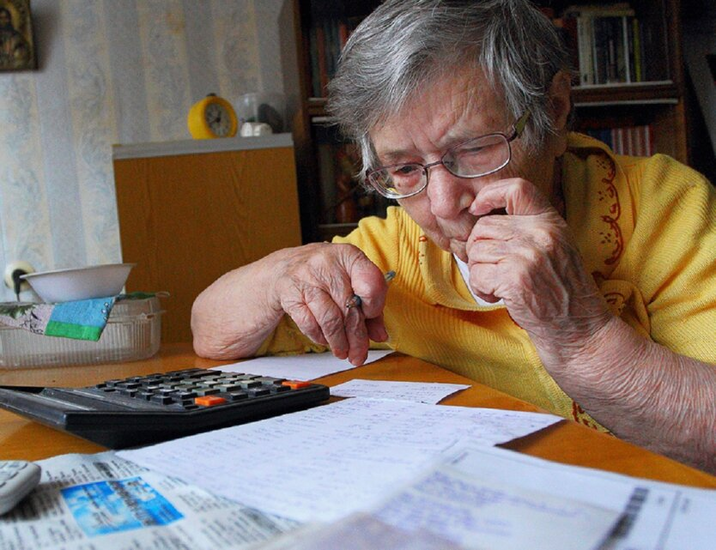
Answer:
(405, 45)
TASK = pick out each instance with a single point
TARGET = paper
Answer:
(332, 460)
(356, 532)
(656, 516)
(480, 512)
(308, 366)
(416, 392)
(93, 502)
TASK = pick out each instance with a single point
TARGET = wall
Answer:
(116, 71)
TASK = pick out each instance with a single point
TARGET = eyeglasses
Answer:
(474, 158)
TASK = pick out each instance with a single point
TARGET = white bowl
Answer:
(84, 283)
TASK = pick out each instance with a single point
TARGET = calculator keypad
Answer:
(194, 388)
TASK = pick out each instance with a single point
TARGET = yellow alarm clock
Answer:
(212, 117)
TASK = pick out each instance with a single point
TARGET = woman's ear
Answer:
(560, 96)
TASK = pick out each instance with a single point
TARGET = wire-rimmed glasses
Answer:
(473, 158)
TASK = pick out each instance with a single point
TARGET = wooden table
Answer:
(566, 442)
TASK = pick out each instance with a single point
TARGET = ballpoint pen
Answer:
(356, 301)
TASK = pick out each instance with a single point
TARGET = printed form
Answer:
(654, 515)
(487, 497)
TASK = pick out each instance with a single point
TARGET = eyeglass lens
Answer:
(471, 159)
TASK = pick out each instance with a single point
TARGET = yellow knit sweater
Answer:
(646, 229)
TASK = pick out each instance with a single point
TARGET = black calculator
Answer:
(157, 407)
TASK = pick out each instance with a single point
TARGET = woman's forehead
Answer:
(453, 108)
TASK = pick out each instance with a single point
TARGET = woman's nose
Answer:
(449, 195)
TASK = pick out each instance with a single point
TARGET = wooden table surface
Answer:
(566, 441)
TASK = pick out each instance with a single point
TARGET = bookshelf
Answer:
(635, 98)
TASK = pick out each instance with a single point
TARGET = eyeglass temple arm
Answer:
(519, 126)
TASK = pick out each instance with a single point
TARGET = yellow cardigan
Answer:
(646, 228)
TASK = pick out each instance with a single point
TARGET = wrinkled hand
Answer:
(313, 285)
(529, 259)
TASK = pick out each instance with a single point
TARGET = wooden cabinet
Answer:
(189, 211)
(654, 101)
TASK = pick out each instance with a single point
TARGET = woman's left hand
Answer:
(529, 259)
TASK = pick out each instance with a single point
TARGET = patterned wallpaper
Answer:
(114, 71)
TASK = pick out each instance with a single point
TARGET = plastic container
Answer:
(262, 107)
(133, 332)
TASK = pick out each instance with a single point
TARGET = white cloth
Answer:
(465, 272)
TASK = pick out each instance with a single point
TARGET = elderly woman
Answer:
(527, 257)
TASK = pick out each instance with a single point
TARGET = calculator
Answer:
(138, 410)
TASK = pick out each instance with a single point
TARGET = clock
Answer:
(212, 117)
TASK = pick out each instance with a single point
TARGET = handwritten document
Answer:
(308, 366)
(417, 392)
(327, 462)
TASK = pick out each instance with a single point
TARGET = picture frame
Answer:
(17, 48)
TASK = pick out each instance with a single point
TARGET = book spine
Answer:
(627, 49)
(343, 33)
(630, 141)
(638, 69)
(586, 50)
(570, 33)
(322, 68)
(600, 51)
(611, 30)
(315, 70)
(333, 47)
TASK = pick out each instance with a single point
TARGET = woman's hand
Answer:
(312, 284)
(529, 259)
(315, 284)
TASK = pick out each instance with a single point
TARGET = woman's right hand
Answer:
(313, 284)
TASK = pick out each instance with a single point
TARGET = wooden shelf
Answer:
(664, 92)
(642, 93)
(316, 106)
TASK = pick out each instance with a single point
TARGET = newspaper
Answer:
(100, 501)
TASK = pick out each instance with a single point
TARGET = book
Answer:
(322, 62)
(635, 141)
(636, 54)
(626, 48)
(619, 9)
(315, 70)
(586, 50)
(609, 42)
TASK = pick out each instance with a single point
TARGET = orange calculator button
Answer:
(209, 400)
(296, 384)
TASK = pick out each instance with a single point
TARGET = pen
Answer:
(356, 301)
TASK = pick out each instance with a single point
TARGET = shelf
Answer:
(198, 146)
(316, 106)
(662, 92)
